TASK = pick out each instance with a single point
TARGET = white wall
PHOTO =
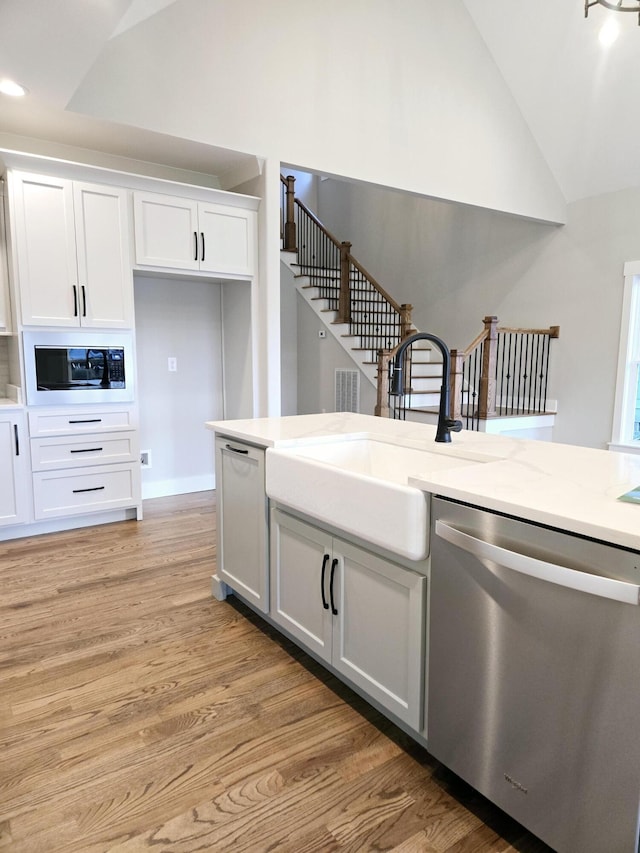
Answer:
(178, 318)
(399, 94)
(456, 264)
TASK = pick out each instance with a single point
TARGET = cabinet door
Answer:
(13, 470)
(46, 250)
(228, 239)
(166, 231)
(378, 641)
(104, 267)
(300, 575)
(242, 520)
(5, 314)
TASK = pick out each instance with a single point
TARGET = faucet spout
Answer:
(445, 423)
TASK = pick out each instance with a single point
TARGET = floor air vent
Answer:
(347, 390)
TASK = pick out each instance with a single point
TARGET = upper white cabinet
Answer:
(178, 233)
(72, 252)
(5, 313)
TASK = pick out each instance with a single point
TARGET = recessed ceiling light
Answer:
(10, 87)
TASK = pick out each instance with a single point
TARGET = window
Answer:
(626, 421)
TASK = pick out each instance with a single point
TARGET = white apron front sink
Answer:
(360, 486)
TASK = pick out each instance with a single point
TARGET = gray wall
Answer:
(179, 318)
(318, 359)
(456, 263)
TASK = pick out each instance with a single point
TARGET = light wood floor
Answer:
(137, 713)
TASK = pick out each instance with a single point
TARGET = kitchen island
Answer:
(565, 486)
(495, 618)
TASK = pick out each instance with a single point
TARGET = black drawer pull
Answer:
(94, 489)
(75, 300)
(202, 238)
(334, 609)
(325, 560)
(88, 421)
(195, 244)
(17, 439)
(236, 449)
(87, 450)
(84, 301)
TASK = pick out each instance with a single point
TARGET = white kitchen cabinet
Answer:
(242, 520)
(177, 233)
(13, 469)
(84, 460)
(72, 252)
(5, 312)
(360, 613)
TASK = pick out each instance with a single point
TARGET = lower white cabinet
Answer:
(13, 469)
(242, 520)
(60, 493)
(84, 460)
(362, 614)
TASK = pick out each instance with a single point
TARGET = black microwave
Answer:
(78, 367)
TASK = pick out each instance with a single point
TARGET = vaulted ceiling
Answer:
(579, 99)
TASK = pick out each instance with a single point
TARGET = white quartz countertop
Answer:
(568, 487)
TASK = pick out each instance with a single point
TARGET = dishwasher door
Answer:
(534, 675)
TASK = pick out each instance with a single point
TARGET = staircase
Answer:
(319, 288)
(501, 376)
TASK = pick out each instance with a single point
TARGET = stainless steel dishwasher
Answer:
(534, 674)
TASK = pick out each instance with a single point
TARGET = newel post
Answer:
(289, 236)
(405, 320)
(382, 402)
(455, 385)
(344, 301)
(487, 395)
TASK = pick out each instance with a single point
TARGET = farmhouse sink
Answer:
(360, 486)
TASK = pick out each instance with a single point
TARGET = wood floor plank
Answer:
(139, 714)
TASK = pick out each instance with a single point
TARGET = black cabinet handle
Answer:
(88, 421)
(94, 489)
(236, 449)
(17, 439)
(334, 609)
(325, 560)
(202, 239)
(84, 301)
(87, 450)
(195, 245)
(75, 300)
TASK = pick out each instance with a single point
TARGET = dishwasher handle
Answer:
(627, 593)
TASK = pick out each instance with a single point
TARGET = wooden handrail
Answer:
(349, 269)
(486, 402)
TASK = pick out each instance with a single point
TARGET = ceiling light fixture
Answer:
(10, 87)
(615, 6)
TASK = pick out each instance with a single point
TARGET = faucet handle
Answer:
(454, 426)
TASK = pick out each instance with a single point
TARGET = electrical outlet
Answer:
(145, 458)
(172, 364)
(322, 333)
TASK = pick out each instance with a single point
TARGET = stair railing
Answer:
(503, 372)
(359, 300)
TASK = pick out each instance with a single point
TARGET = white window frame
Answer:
(628, 363)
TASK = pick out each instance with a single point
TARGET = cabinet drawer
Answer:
(78, 451)
(60, 493)
(69, 421)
